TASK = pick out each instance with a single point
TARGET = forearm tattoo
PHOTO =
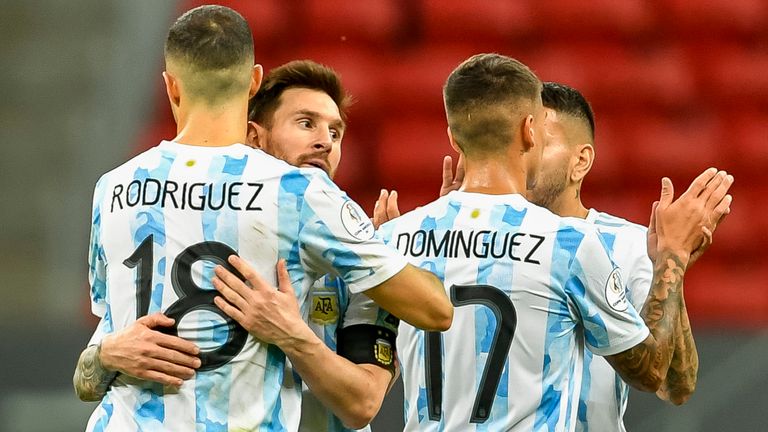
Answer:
(647, 362)
(91, 379)
(684, 367)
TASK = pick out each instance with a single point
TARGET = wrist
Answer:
(681, 256)
(102, 358)
(301, 340)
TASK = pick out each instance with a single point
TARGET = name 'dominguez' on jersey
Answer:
(163, 220)
(530, 290)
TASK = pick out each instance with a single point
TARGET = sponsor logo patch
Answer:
(356, 222)
(325, 309)
(615, 294)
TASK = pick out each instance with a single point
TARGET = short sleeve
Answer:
(336, 236)
(97, 268)
(362, 310)
(639, 277)
(611, 324)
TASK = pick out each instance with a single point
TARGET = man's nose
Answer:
(323, 139)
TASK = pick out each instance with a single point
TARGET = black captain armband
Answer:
(366, 343)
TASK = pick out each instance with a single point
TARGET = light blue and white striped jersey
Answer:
(531, 289)
(334, 307)
(162, 220)
(604, 394)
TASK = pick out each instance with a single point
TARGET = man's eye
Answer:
(335, 134)
(305, 123)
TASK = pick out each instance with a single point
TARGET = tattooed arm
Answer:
(680, 382)
(677, 226)
(91, 378)
(138, 350)
(645, 365)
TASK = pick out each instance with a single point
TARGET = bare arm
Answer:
(354, 392)
(679, 228)
(428, 309)
(140, 351)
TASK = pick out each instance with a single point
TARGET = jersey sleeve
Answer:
(336, 236)
(97, 268)
(611, 324)
(639, 274)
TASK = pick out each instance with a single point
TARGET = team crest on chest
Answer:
(383, 352)
(325, 308)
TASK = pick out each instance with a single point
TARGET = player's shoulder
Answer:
(606, 222)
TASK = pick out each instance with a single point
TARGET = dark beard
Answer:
(548, 190)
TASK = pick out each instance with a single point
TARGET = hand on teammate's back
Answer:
(685, 226)
(143, 352)
(269, 314)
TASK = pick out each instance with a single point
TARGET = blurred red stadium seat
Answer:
(375, 22)
(568, 18)
(490, 21)
(618, 75)
(409, 156)
(716, 18)
(733, 74)
(682, 146)
(744, 142)
(414, 80)
(727, 294)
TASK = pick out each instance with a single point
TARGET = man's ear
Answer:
(453, 141)
(528, 134)
(172, 88)
(584, 157)
(256, 76)
(255, 135)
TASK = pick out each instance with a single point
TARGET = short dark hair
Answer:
(484, 97)
(305, 74)
(214, 44)
(568, 100)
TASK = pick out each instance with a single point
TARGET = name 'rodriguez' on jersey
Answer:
(150, 253)
(530, 290)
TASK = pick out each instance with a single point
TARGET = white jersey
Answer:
(162, 220)
(333, 307)
(604, 394)
(531, 289)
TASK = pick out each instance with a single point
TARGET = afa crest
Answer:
(383, 352)
(325, 309)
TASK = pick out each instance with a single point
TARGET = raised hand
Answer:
(385, 208)
(451, 182)
(682, 226)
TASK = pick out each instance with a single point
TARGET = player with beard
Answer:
(568, 156)
(298, 115)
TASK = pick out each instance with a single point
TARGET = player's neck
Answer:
(202, 126)
(494, 176)
(568, 204)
